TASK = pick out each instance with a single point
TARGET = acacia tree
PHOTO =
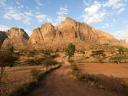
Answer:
(120, 56)
(99, 54)
(117, 58)
(121, 51)
(70, 50)
(7, 58)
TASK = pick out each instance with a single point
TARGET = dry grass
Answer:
(108, 69)
(16, 77)
(95, 76)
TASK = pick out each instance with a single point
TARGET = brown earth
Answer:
(60, 83)
(16, 77)
(108, 69)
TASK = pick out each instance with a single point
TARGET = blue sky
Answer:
(108, 15)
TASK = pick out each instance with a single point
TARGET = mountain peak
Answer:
(69, 19)
(15, 32)
(17, 38)
(58, 37)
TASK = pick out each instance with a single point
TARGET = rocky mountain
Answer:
(58, 37)
(17, 38)
(3, 36)
(68, 31)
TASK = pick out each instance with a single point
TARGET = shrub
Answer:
(35, 61)
(70, 50)
(49, 62)
(35, 73)
(8, 58)
(99, 54)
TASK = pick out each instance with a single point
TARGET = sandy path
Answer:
(59, 83)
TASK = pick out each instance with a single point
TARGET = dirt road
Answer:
(59, 83)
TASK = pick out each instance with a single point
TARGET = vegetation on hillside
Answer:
(8, 58)
(99, 54)
(70, 50)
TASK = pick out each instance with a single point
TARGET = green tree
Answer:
(121, 51)
(99, 54)
(117, 58)
(70, 50)
(120, 56)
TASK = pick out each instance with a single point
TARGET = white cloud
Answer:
(123, 35)
(14, 14)
(106, 25)
(62, 13)
(4, 28)
(120, 10)
(49, 19)
(97, 11)
(115, 4)
(41, 17)
(94, 13)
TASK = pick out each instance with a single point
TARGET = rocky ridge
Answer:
(58, 37)
(17, 38)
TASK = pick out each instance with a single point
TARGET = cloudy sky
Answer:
(108, 15)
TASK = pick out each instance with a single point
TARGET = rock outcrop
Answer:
(58, 37)
(68, 31)
(42, 37)
(17, 38)
(3, 36)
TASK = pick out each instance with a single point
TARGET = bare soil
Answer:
(60, 83)
(108, 69)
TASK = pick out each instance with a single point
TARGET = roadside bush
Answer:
(75, 72)
(49, 63)
(35, 73)
(70, 50)
(101, 81)
(7, 58)
(35, 61)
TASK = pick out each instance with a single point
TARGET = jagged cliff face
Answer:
(3, 36)
(58, 37)
(68, 31)
(42, 37)
(17, 38)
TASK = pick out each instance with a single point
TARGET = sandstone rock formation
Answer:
(68, 31)
(17, 38)
(58, 37)
(3, 36)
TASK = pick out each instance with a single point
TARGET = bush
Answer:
(35, 61)
(35, 73)
(49, 62)
(70, 50)
(8, 58)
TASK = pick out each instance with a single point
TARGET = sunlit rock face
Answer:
(17, 38)
(68, 31)
(58, 37)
